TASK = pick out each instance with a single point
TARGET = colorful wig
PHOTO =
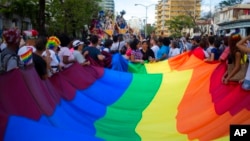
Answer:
(52, 42)
(12, 36)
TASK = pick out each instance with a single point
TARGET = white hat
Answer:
(25, 54)
(77, 43)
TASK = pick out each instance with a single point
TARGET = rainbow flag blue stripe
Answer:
(177, 99)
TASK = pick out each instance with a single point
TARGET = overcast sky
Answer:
(140, 11)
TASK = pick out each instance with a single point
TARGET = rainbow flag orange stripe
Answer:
(178, 99)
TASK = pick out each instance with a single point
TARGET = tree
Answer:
(150, 29)
(41, 19)
(53, 16)
(22, 8)
(178, 23)
(70, 16)
(226, 3)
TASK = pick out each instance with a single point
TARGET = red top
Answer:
(199, 52)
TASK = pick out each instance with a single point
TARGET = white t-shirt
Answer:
(114, 46)
(117, 45)
(173, 52)
(206, 53)
(64, 51)
(155, 49)
(78, 56)
(209, 49)
(106, 50)
(54, 61)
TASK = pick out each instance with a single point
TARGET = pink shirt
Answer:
(225, 54)
(64, 51)
(128, 52)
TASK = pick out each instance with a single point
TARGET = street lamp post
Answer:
(146, 7)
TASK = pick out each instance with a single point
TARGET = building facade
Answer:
(108, 5)
(235, 17)
(167, 9)
(14, 21)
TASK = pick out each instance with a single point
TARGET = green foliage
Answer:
(20, 7)
(70, 16)
(23, 8)
(150, 29)
(178, 23)
(67, 16)
(226, 3)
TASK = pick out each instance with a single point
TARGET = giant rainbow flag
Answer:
(178, 99)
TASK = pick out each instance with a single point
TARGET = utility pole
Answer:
(146, 7)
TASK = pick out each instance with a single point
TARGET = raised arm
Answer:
(242, 44)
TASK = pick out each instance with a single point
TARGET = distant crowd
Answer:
(50, 55)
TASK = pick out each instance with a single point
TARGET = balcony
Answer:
(226, 20)
(166, 18)
(158, 6)
(158, 12)
(224, 17)
(244, 17)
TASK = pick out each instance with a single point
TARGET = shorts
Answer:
(246, 85)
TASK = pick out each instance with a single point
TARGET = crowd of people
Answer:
(50, 55)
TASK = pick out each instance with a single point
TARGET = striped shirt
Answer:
(137, 54)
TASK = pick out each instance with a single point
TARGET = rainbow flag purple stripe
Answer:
(178, 99)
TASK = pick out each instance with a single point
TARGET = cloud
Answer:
(154, 1)
(206, 8)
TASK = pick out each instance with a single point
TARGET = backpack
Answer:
(3, 65)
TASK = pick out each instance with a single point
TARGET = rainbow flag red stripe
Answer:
(178, 99)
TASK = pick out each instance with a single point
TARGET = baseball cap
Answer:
(77, 43)
(196, 38)
(144, 40)
(31, 34)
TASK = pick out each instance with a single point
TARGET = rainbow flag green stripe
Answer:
(179, 99)
(126, 112)
(136, 68)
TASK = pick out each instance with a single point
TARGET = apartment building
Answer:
(167, 9)
(230, 18)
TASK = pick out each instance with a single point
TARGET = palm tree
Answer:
(227, 3)
(178, 23)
